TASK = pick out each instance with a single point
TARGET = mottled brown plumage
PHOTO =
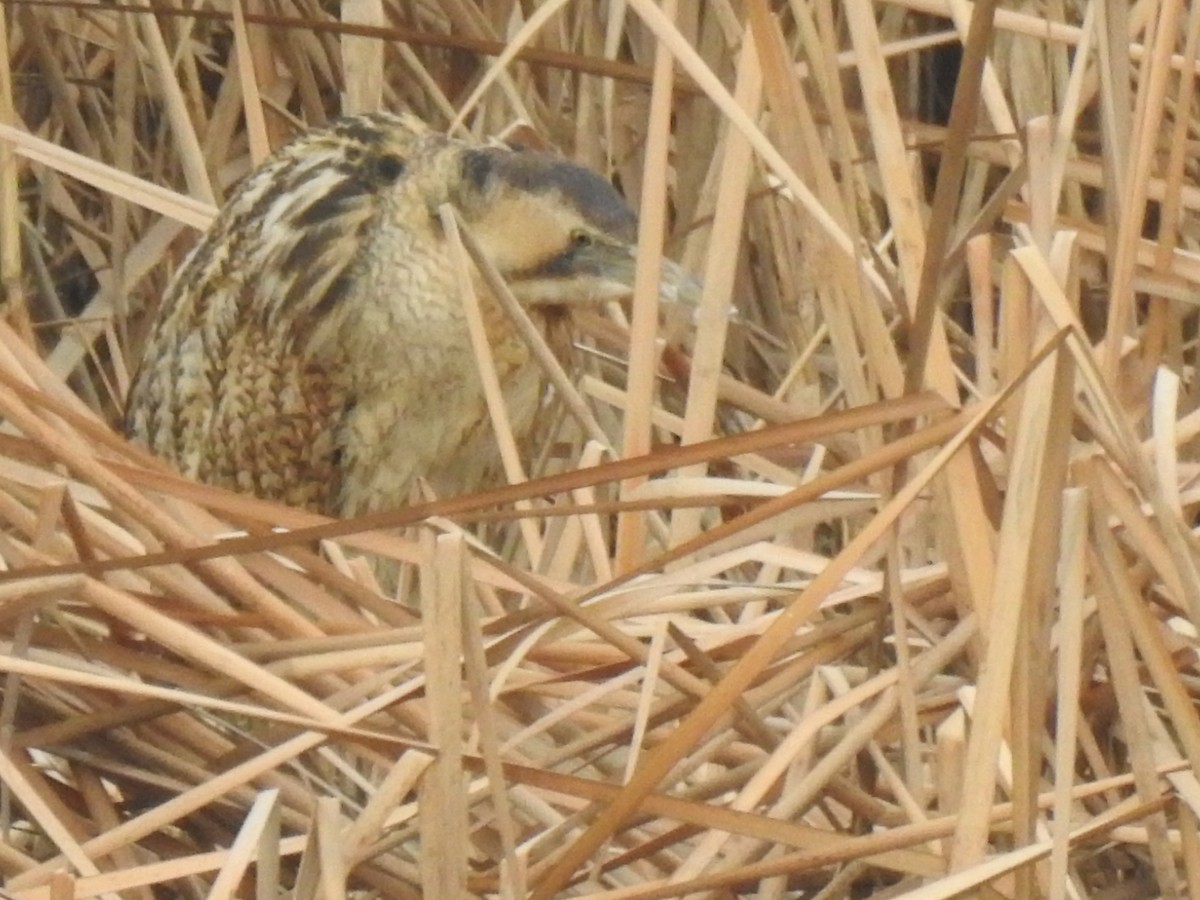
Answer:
(313, 349)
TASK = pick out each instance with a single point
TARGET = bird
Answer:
(313, 349)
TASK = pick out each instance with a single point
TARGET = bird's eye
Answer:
(580, 239)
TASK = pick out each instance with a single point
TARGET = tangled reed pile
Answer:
(899, 601)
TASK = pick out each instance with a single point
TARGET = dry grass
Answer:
(923, 624)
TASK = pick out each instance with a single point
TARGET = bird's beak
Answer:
(677, 285)
(617, 264)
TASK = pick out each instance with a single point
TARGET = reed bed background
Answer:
(883, 584)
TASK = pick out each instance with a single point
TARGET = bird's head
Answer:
(557, 232)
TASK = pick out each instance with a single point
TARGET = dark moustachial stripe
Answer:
(559, 266)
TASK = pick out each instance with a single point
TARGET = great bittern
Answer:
(313, 348)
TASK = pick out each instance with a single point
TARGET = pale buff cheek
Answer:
(543, 229)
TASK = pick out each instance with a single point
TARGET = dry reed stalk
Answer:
(872, 641)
